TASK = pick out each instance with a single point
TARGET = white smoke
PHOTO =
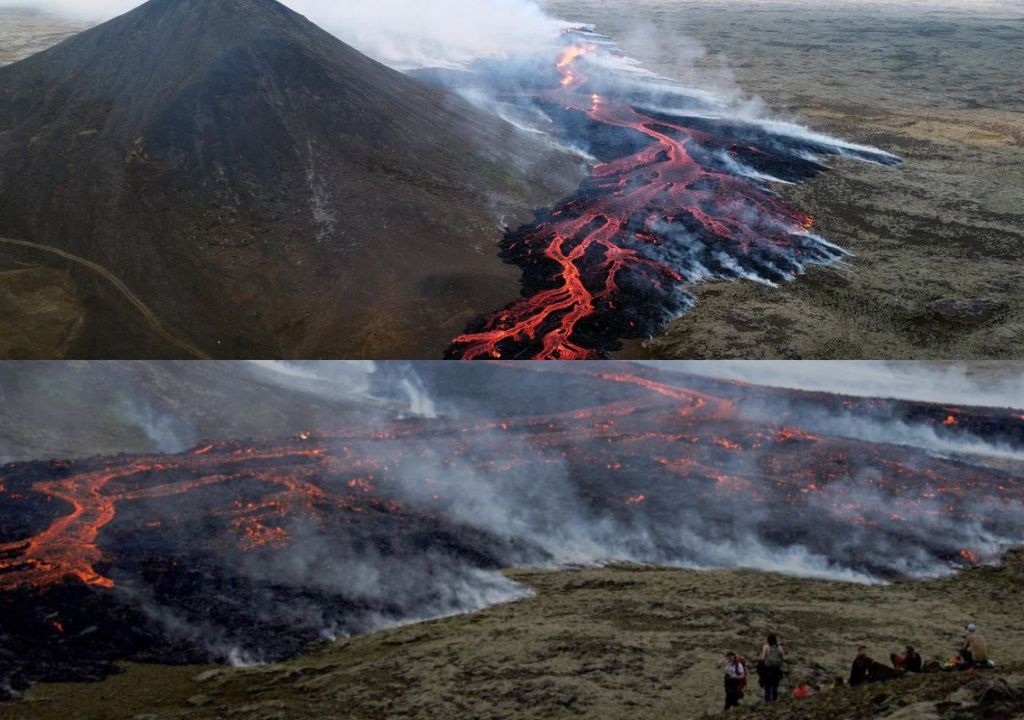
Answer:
(399, 33)
(351, 380)
(978, 384)
(348, 379)
(540, 505)
(898, 432)
(439, 33)
(168, 432)
(93, 10)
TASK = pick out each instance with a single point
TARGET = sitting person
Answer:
(974, 651)
(801, 690)
(837, 682)
(909, 661)
(867, 670)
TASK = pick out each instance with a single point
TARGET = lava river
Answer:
(678, 195)
(260, 546)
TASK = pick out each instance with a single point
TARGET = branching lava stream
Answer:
(689, 203)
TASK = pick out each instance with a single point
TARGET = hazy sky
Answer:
(399, 32)
(995, 385)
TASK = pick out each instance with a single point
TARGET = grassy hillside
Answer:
(614, 643)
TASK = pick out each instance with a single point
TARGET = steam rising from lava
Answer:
(681, 188)
(248, 549)
(679, 194)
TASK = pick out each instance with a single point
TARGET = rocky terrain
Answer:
(619, 642)
(934, 242)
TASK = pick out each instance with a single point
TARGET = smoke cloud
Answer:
(978, 384)
(400, 33)
(401, 515)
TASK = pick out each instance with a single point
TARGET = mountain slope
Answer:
(612, 643)
(79, 409)
(264, 188)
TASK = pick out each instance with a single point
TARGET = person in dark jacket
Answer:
(859, 671)
(866, 670)
(909, 661)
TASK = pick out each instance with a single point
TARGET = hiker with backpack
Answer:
(735, 678)
(770, 667)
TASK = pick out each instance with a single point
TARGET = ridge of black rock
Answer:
(266, 189)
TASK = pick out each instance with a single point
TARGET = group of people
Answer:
(770, 667)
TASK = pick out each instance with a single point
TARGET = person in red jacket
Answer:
(801, 690)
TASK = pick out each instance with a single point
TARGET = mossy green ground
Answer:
(615, 644)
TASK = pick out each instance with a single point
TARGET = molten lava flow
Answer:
(69, 547)
(658, 450)
(272, 541)
(612, 261)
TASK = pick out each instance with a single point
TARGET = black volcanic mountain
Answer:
(263, 188)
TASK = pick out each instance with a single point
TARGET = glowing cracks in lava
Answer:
(566, 61)
(691, 450)
(69, 546)
(613, 260)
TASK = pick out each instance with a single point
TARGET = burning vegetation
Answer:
(251, 549)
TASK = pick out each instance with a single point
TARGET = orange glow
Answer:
(586, 251)
(572, 54)
(361, 484)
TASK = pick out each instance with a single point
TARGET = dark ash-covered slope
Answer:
(265, 189)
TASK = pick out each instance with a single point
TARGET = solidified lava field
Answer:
(679, 193)
(248, 550)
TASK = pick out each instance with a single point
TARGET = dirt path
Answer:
(148, 316)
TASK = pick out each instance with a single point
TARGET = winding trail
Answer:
(147, 315)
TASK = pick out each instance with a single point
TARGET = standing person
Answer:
(735, 678)
(770, 663)
(974, 650)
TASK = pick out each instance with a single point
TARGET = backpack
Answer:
(773, 660)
